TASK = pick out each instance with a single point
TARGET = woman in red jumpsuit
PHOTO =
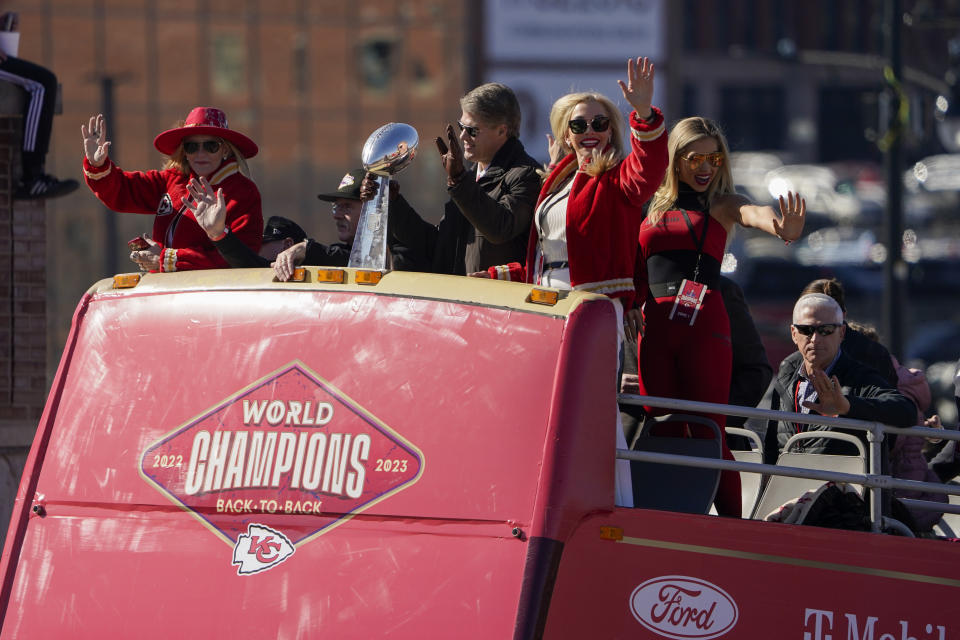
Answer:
(685, 351)
(206, 165)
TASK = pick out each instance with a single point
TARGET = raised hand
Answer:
(207, 207)
(555, 150)
(452, 157)
(832, 402)
(638, 90)
(793, 214)
(95, 143)
(148, 259)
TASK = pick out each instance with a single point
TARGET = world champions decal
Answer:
(284, 460)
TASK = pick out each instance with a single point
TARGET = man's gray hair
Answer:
(817, 301)
(494, 103)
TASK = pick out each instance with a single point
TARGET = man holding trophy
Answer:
(486, 222)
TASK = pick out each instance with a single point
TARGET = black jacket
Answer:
(869, 352)
(486, 222)
(752, 372)
(870, 397)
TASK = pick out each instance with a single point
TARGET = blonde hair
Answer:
(178, 160)
(603, 159)
(683, 134)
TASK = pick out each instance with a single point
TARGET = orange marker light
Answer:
(543, 296)
(299, 274)
(338, 276)
(611, 533)
(369, 277)
(126, 280)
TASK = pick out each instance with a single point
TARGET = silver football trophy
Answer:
(387, 151)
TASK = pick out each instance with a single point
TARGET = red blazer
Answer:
(185, 244)
(604, 215)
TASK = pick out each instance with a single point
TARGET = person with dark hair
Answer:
(855, 341)
(487, 219)
(686, 349)
(203, 154)
(41, 86)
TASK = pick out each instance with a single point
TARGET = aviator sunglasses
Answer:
(210, 146)
(696, 159)
(598, 124)
(473, 132)
(821, 329)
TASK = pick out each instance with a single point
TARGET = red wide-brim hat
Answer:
(205, 121)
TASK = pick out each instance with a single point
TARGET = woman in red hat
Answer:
(206, 165)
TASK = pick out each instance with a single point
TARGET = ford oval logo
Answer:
(682, 607)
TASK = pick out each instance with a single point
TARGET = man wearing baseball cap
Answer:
(346, 211)
(285, 245)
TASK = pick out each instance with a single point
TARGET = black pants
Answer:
(41, 86)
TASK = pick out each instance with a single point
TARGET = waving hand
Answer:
(638, 90)
(95, 143)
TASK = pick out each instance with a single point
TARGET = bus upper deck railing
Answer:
(875, 481)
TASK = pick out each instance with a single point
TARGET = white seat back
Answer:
(781, 489)
(749, 482)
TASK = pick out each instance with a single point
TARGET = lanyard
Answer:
(698, 243)
(796, 405)
(172, 227)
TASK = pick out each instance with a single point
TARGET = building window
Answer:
(377, 63)
(229, 65)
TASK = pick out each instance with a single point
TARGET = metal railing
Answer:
(874, 481)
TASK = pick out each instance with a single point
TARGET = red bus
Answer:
(412, 456)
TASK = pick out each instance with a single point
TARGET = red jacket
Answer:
(604, 215)
(185, 244)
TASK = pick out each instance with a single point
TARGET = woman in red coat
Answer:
(204, 155)
(685, 350)
(585, 226)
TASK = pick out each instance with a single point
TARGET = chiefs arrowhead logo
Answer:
(165, 207)
(259, 549)
(290, 452)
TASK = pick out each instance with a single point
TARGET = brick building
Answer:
(23, 312)
(307, 80)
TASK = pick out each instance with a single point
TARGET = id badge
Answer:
(689, 299)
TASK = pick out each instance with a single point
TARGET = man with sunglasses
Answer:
(487, 219)
(821, 379)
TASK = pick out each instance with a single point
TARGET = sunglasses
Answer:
(473, 132)
(598, 124)
(210, 146)
(820, 329)
(696, 159)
